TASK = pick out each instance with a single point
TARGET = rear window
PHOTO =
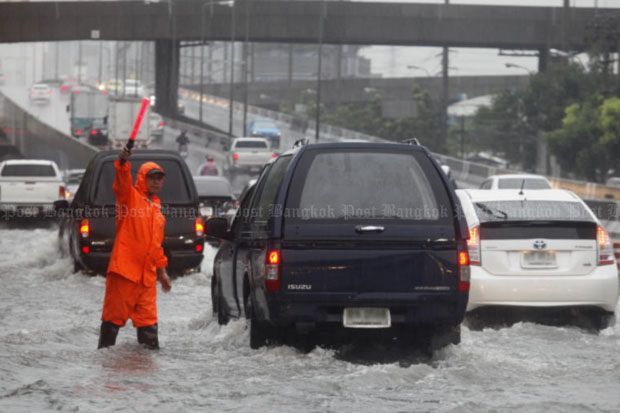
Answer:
(28, 170)
(251, 144)
(174, 191)
(515, 183)
(265, 125)
(350, 185)
(492, 211)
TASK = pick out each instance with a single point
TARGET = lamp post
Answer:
(515, 66)
(318, 77)
(202, 41)
(232, 70)
(419, 68)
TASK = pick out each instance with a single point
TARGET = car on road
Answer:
(157, 126)
(516, 181)
(345, 238)
(540, 250)
(98, 134)
(40, 92)
(133, 87)
(67, 85)
(87, 228)
(72, 179)
(248, 155)
(265, 128)
(114, 86)
(216, 197)
(29, 188)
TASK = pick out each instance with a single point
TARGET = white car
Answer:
(544, 248)
(157, 126)
(40, 92)
(516, 181)
(133, 88)
(248, 155)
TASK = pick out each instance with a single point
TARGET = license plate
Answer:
(537, 259)
(366, 317)
(30, 211)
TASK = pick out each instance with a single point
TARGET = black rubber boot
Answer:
(148, 337)
(107, 334)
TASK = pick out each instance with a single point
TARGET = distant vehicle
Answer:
(87, 229)
(72, 179)
(516, 181)
(132, 87)
(265, 128)
(114, 86)
(215, 195)
(248, 155)
(67, 84)
(122, 113)
(40, 92)
(86, 105)
(180, 106)
(157, 126)
(613, 182)
(29, 187)
(544, 250)
(340, 237)
(98, 134)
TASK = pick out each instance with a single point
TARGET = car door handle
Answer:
(368, 229)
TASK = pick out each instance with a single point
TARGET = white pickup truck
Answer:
(29, 187)
(248, 155)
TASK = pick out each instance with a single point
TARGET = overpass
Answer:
(362, 23)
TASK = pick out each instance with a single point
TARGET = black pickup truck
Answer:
(87, 225)
(346, 236)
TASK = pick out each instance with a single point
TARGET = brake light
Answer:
(77, 92)
(235, 157)
(79, 131)
(84, 228)
(272, 270)
(604, 247)
(464, 272)
(199, 248)
(93, 132)
(274, 155)
(105, 92)
(161, 124)
(67, 194)
(61, 192)
(473, 246)
(200, 227)
(86, 249)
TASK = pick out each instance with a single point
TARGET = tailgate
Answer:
(253, 157)
(567, 248)
(29, 191)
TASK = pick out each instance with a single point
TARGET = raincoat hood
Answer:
(141, 177)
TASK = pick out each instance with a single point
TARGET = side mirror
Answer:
(217, 228)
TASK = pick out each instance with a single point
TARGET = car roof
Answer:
(248, 139)
(482, 195)
(29, 162)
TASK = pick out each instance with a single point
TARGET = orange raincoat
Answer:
(131, 290)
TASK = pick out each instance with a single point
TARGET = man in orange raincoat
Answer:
(138, 259)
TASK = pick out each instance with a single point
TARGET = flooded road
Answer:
(50, 316)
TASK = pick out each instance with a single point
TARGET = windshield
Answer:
(490, 211)
(264, 124)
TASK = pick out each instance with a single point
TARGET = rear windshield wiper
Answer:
(497, 213)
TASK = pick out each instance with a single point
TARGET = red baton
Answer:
(136, 125)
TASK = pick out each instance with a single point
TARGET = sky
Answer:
(397, 61)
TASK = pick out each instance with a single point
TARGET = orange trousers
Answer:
(125, 300)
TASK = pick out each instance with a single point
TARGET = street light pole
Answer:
(245, 68)
(318, 78)
(232, 71)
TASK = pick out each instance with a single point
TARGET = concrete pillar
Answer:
(166, 77)
(543, 60)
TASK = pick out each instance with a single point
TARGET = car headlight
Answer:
(206, 211)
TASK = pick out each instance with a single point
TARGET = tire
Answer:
(602, 320)
(445, 335)
(77, 267)
(258, 335)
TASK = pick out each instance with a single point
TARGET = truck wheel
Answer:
(258, 336)
(444, 335)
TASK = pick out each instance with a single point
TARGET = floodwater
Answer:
(50, 316)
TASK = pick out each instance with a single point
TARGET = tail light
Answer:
(67, 194)
(77, 92)
(199, 248)
(79, 132)
(93, 132)
(235, 157)
(86, 249)
(161, 124)
(84, 228)
(604, 247)
(473, 246)
(61, 192)
(272, 270)
(464, 272)
(274, 155)
(200, 227)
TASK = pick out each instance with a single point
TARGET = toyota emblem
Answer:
(540, 244)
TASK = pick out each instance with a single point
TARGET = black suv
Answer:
(87, 226)
(346, 236)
